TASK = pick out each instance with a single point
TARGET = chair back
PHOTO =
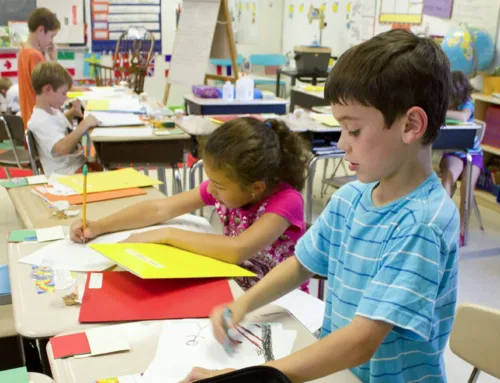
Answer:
(36, 165)
(10, 133)
(474, 337)
(16, 126)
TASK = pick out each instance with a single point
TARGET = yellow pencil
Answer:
(84, 214)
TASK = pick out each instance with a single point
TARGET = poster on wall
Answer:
(70, 15)
(438, 8)
(110, 18)
(403, 12)
(248, 22)
(361, 22)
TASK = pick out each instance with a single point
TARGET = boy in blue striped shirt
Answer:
(387, 243)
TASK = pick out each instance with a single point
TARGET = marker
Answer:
(228, 341)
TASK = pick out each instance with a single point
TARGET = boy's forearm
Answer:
(336, 352)
(284, 278)
(459, 115)
(67, 144)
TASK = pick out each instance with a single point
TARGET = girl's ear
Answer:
(258, 188)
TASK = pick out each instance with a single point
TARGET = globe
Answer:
(464, 45)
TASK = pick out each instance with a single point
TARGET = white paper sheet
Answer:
(117, 119)
(36, 180)
(105, 340)
(307, 309)
(67, 255)
(122, 132)
(187, 343)
(50, 234)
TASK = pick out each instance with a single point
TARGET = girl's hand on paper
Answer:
(198, 373)
(91, 231)
(150, 236)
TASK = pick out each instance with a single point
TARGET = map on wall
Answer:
(401, 11)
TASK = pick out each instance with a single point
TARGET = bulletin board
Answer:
(110, 18)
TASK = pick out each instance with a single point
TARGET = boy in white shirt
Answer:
(13, 99)
(5, 85)
(58, 145)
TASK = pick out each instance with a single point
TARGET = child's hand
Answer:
(76, 109)
(150, 236)
(52, 52)
(219, 324)
(89, 122)
(77, 234)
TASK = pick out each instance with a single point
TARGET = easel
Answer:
(222, 43)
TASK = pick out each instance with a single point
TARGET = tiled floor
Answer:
(479, 276)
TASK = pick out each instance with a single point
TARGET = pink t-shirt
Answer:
(285, 202)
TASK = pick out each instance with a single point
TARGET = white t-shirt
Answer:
(13, 98)
(3, 104)
(49, 129)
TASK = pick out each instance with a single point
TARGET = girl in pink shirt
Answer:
(255, 172)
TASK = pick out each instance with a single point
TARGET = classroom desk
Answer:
(306, 99)
(35, 213)
(295, 74)
(143, 349)
(144, 150)
(213, 106)
(39, 378)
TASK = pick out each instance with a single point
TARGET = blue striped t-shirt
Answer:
(395, 263)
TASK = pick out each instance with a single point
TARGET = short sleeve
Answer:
(289, 204)
(469, 104)
(404, 290)
(207, 198)
(46, 135)
(313, 248)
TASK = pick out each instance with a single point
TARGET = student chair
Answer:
(13, 130)
(36, 165)
(474, 338)
(219, 63)
(270, 62)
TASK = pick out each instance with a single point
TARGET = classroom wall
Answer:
(339, 35)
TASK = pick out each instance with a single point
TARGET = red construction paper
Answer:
(126, 297)
(69, 345)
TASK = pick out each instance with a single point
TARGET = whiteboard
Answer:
(71, 16)
(193, 42)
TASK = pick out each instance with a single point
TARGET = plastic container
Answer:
(228, 91)
(67, 289)
(244, 88)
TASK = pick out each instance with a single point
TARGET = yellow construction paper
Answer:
(314, 88)
(152, 261)
(106, 181)
(97, 105)
(326, 119)
(75, 94)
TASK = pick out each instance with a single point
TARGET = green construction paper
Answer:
(14, 183)
(22, 236)
(16, 375)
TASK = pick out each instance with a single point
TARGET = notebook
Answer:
(91, 197)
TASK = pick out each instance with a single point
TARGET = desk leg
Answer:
(278, 74)
(468, 193)
(309, 188)
(162, 177)
(176, 180)
(184, 169)
(146, 170)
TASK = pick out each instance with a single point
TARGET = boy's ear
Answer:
(46, 88)
(416, 125)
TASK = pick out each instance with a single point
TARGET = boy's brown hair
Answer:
(50, 73)
(251, 150)
(43, 17)
(393, 72)
(461, 89)
(5, 83)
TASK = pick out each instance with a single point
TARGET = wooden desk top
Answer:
(220, 102)
(36, 214)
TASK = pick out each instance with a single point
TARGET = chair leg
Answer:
(478, 213)
(473, 376)
(325, 168)
(8, 173)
